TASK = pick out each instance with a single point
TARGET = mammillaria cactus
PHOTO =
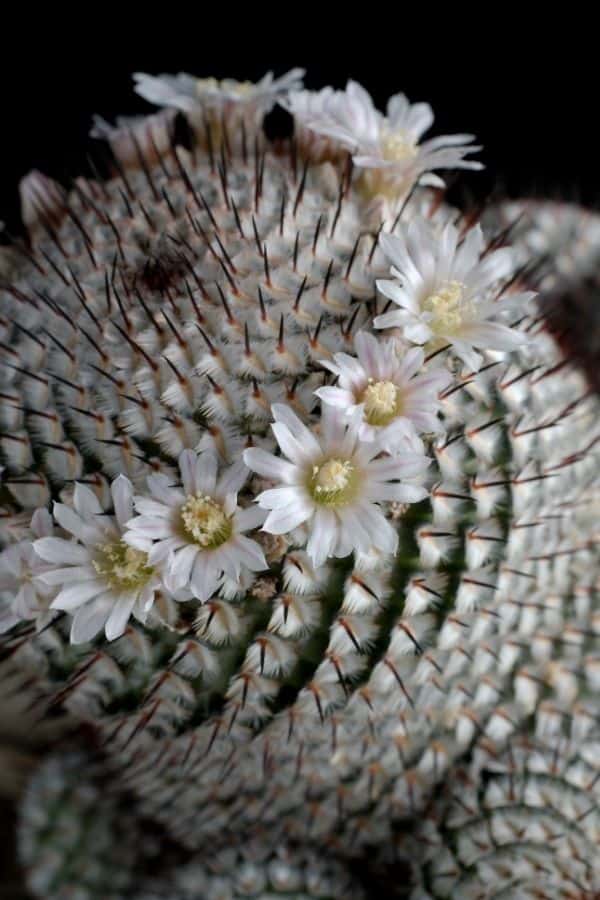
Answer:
(79, 839)
(300, 498)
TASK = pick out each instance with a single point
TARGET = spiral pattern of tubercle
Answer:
(521, 821)
(75, 839)
(169, 307)
(78, 840)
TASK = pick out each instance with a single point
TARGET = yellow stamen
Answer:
(124, 567)
(333, 482)
(397, 147)
(237, 87)
(382, 402)
(448, 308)
(205, 522)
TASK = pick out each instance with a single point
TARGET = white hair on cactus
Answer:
(176, 307)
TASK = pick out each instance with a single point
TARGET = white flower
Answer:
(393, 401)
(103, 580)
(444, 291)
(375, 141)
(191, 95)
(24, 596)
(333, 485)
(198, 533)
(135, 136)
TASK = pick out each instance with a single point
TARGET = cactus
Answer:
(319, 575)
(80, 839)
(75, 838)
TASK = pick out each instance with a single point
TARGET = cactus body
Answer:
(377, 703)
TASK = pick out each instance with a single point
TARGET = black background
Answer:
(529, 96)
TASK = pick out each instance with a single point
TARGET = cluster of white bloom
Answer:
(283, 406)
(335, 478)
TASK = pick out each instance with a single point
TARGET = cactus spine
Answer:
(432, 702)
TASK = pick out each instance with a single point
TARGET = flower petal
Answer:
(271, 467)
(58, 550)
(119, 616)
(122, 495)
(76, 594)
(90, 618)
(206, 473)
(86, 502)
(280, 521)
(323, 536)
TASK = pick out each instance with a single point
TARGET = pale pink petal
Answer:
(468, 354)
(119, 616)
(148, 507)
(151, 527)
(335, 396)
(41, 523)
(249, 518)
(187, 467)
(86, 502)
(294, 447)
(204, 579)
(73, 596)
(122, 494)
(90, 619)
(323, 536)
(283, 414)
(280, 521)
(383, 536)
(494, 336)
(232, 480)
(179, 567)
(250, 553)
(64, 576)
(398, 467)
(161, 550)
(402, 493)
(161, 487)
(57, 550)
(206, 473)
(280, 497)
(270, 466)
(353, 529)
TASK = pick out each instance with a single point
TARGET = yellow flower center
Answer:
(334, 482)
(382, 402)
(205, 522)
(397, 147)
(448, 308)
(210, 84)
(124, 567)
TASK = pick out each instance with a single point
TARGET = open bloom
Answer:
(444, 291)
(24, 596)
(333, 484)
(383, 388)
(390, 142)
(102, 580)
(198, 533)
(192, 95)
